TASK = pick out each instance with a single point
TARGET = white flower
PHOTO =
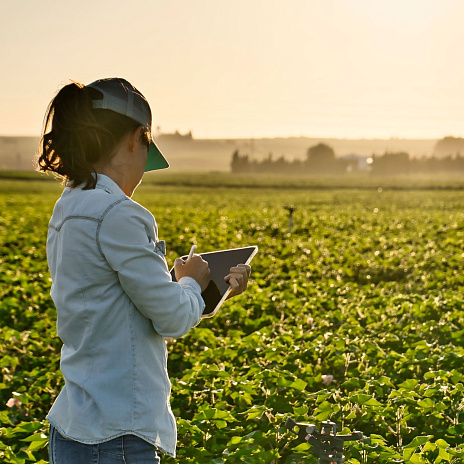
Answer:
(327, 379)
(13, 402)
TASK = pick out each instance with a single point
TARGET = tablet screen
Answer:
(220, 263)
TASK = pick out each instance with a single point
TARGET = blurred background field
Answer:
(356, 316)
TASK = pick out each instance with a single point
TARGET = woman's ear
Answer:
(134, 138)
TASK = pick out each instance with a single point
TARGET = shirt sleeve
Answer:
(127, 238)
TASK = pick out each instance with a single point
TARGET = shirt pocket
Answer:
(160, 247)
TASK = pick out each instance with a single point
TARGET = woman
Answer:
(114, 296)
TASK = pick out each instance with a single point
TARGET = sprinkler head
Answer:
(290, 209)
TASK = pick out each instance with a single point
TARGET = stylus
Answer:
(192, 250)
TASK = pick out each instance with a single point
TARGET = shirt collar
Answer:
(108, 185)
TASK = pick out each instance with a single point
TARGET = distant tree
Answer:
(320, 159)
(391, 164)
(449, 146)
(240, 163)
(320, 153)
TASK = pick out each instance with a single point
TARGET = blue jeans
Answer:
(127, 449)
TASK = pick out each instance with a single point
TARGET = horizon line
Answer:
(300, 136)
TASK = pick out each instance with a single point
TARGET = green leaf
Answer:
(429, 446)
(417, 441)
(409, 384)
(376, 439)
(442, 444)
(221, 424)
(417, 459)
(37, 444)
(255, 412)
(299, 384)
(426, 404)
(36, 437)
(368, 400)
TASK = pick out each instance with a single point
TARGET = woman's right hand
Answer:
(196, 268)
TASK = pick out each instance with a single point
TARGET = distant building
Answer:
(176, 136)
(356, 163)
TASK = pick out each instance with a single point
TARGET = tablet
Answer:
(220, 263)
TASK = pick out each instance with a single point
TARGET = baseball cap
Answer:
(122, 97)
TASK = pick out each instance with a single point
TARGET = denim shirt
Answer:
(115, 304)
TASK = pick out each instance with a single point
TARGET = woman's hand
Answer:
(196, 268)
(238, 279)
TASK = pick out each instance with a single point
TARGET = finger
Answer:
(247, 267)
(239, 271)
(241, 275)
(241, 283)
(234, 286)
(198, 258)
(237, 275)
(178, 261)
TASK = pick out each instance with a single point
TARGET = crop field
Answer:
(355, 316)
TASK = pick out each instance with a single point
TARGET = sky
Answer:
(245, 68)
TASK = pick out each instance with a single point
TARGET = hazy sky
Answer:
(245, 68)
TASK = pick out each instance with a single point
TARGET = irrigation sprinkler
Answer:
(291, 210)
(325, 444)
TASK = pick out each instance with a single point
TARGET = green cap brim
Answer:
(155, 160)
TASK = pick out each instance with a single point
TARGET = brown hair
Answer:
(79, 136)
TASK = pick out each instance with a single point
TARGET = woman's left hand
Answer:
(238, 279)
